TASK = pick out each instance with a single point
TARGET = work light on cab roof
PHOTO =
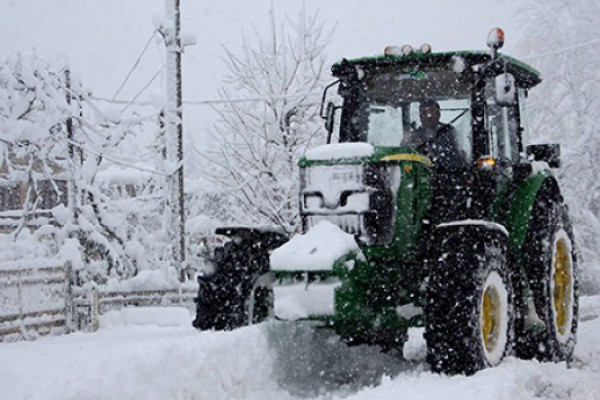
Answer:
(406, 50)
(495, 40)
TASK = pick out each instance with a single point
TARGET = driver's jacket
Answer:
(439, 145)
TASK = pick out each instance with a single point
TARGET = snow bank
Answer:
(141, 362)
(156, 279)
(316, 250)
(151, 362)
(159, 316)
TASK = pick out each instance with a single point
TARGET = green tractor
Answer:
(431, 209)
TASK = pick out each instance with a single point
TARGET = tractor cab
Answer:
(462, 112)
(479, 94)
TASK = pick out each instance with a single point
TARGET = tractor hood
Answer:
(340, 151)
(359, 153)
(355, 187)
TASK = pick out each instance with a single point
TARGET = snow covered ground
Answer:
(155, 354)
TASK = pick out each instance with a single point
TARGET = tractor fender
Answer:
(521, 204)
(475, 223)
(471, 230)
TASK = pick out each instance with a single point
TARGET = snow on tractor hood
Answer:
(316, 250)
(339, 151)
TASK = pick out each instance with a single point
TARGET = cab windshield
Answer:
(391, 113)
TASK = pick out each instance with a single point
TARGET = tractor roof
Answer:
(525, 75)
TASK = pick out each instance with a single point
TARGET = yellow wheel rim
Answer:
(490, 319)
(563, 284)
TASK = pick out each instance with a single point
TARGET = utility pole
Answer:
(73, 189)
(174, 134)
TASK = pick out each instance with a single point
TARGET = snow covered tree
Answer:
(562, 43)
(259, 141)
(33, 145)
(48, 128)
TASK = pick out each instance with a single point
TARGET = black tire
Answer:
(263, 304)
(469, 310)
(551, 266)
(230, 297)
(205, 314)
(218, 305)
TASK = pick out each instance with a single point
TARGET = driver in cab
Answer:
(435, 139)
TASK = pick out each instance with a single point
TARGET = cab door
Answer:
(502, 126)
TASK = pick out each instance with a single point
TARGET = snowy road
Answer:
(137, 360)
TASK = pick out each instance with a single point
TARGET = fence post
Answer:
(20, 299)
(95, 311)
(69, 306)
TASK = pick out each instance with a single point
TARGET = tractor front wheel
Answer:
(469, 312)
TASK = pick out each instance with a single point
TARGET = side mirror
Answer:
(330, 119)
(329, 115)
(506, 90)
(545, 152)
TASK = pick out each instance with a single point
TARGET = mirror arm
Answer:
(324, 96)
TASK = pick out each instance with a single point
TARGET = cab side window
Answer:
(497, 127)
(502, 126)
(523, 119)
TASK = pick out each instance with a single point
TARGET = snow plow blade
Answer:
(309, 269)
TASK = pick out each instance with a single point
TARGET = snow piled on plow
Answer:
(316, 250)
(300, 300)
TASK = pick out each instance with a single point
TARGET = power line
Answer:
(137, 62)
(262, 99)
(251, 99)
(134, 103)
(116, 161)
(144, 88)
(562, 50)
(208, 102)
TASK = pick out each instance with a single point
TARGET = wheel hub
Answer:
(563, 286)
(490, 319)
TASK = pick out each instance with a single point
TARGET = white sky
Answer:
(103, 38)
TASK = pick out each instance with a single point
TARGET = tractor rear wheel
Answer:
(469, 312)
(551, 265)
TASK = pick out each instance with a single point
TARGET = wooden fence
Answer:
(90, 305)
(35, 298)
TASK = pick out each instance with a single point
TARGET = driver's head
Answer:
(429, 113)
